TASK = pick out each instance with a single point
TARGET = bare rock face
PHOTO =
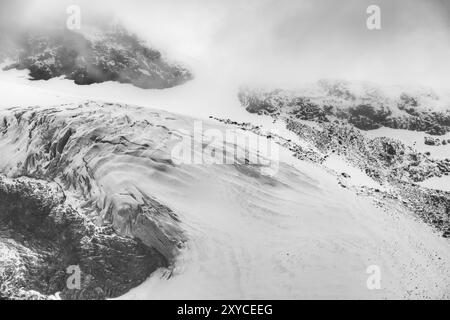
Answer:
(114, 229)
(364, 106)
(41, 236)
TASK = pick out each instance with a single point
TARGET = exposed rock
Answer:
(431, 141)
(41, 236)
(104, 55)
(366, 107)
(261, 103)
(433, 206)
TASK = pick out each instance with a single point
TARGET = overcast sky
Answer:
(281, 42)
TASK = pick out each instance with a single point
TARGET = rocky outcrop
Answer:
(389, 162)
(366, 108)
(41, 236)
(433, 206)
(94, 57)
(430, 141)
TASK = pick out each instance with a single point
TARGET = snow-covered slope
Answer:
(299, 235)
(229, 231)
(312, 230)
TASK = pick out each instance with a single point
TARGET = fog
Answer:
(276, 42)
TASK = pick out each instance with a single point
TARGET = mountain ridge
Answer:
(363, 105)
(92, 55)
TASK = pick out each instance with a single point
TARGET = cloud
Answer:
(281, 42)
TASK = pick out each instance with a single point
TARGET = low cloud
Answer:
(276, 42)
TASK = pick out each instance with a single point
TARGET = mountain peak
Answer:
(94, 55)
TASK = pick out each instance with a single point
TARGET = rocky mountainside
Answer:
(364, 105)
(93, 55)
(330, 126)
(395, 167)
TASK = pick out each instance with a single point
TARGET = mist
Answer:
(275, 42)
(287, 42)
